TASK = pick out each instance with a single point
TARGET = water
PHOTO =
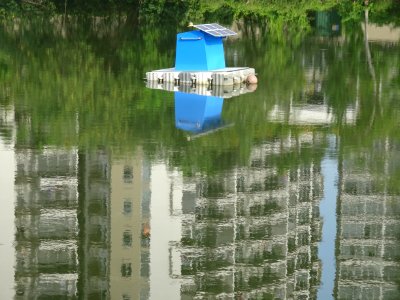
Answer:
(326, 248)
(113, 190)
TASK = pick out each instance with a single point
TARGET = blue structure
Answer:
(197, 113)
(201, 50)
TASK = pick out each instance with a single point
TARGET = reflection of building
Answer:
(166, 222)
(6, 124)
(7, 162)
(310, 115)
(253, 232)
(368, 225)
(46, 223)
(94, 226)
(130, 224)
(82, 225)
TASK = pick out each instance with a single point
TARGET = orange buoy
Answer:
(251, 79)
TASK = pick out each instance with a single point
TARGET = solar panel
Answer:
(215, 29)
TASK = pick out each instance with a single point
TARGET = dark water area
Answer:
(114, 190)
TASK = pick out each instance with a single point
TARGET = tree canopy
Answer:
(181, 12)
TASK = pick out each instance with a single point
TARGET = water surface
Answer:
(113, 190)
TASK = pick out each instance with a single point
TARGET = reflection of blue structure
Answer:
(197, 113)
(199, 51)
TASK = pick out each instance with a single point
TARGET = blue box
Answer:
(199, 51)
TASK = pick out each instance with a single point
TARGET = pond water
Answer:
(114, 190)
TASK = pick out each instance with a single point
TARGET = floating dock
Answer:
(218, 77)
(226, 91)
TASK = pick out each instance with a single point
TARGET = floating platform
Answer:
(218, 77)
(226, 91)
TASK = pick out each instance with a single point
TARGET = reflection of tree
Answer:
(97, 98)
(370, 65)
(367, 50)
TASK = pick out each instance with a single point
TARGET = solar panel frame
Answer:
(215, 30)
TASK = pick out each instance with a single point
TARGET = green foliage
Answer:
(278, 15)
(8, 9)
